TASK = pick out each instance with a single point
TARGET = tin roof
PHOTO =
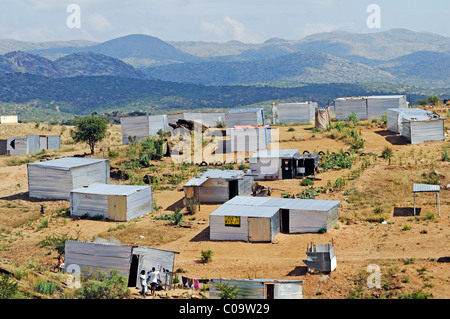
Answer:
(215, 173)
(246, 110)
(286, 153)
(267, 206)
(109, 189)
(371, 97)
(423, 188)
(67, 163)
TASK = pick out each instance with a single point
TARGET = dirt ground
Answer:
(413, 258)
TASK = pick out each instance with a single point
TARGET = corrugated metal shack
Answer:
(259, 288)
(249, 138)
(321, 258)
(289, 113)
(260, 219)
(394, 117)
(308, 164)
(367, 107)
(245, 116)
(127, 260)
(218, 186)
(8, 119)
(274, 164)
(142, 126)
(422, 128)
(209, 119)
(115, 202)
(56, 178)
(30, 144)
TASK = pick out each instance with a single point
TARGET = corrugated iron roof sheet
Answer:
(286, 153)
(267, 206)
(422, 188)
(215, 173)
(67, 163)
(109, 189)
(246, 110)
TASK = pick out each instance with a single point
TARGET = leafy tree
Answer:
(90, 129)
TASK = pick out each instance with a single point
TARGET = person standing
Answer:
(153, 280)
(143, 279)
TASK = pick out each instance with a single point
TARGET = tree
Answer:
(90, 129)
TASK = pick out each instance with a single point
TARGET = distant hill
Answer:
(39, 98)
(94, 64)
(10, 45)
(136, 49)
(77, 64)
(306, 67)
(394, 56)
(21, 62)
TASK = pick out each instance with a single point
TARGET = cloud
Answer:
(99, 22)
(228, 29)
(311, 28)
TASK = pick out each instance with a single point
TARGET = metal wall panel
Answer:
(105, 257)
(289, 113)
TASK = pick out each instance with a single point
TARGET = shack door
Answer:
(286, 168)
(43, 143)
(117, 208)
(259, 229)
(284, 222)
(270, 291)
(233, 189)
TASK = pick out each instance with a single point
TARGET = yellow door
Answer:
(117, 208)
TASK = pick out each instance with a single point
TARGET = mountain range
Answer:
(395, 56)
(136, 72)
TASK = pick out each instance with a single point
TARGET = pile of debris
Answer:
(188, 124)
(260, 190)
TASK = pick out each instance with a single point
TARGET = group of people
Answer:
(151, 279)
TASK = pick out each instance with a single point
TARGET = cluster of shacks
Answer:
(85, 183)
(29, 144)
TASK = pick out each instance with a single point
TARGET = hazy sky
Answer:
(213, 20)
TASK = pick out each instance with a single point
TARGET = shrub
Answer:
(353, 118)
(227, 292)
(8, 288)
(57, 242)
(114, 287)
(191, 205)
(46, 287)
(387, 153)
(417, 294)
(306, 182)
(206, 256)
(291, 129)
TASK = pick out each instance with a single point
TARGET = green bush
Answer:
(191, 205)
(206, 256)
(226, 291)
(8, 288)
(46, 287)
(336, 161)
(306, 182)
(113, 287)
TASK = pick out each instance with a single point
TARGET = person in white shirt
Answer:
(153, 278)
(143, 279)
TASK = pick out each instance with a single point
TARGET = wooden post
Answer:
(438, 204)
